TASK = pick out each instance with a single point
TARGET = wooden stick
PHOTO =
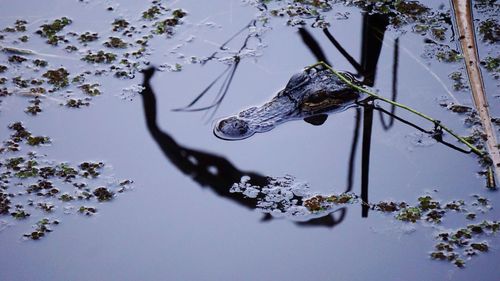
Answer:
(465, 26)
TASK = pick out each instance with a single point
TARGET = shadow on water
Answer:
(210, 170)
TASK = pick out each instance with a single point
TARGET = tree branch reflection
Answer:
(210, 170)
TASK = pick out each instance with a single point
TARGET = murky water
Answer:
(169, 227)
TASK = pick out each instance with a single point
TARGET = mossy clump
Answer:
(459, 82)
(71, 49)
(19, 213)
(99, 57)
(454, 245)
(76, 103)
(458, 108)
(42, 227)
(34, 108)
(88, 37)
(103, 194)
(120, 24)
(439, 33)
(20, 134)
(40, 63)
(389, 207)
(35, 179)
(321, 203)
(434, 216)
(65, 197)
(4, 203)
(20, 82)
(29, 169)
(37, 140)
(19, 26)
(427, 203)
(65, 171)
(410, 214)
(490, 30)
(90, 169)
(86, 210)
(151, 13)
(455, 205)
(116, 43)
(24, 38)
(314, 204)
(448, 56)
(17, 59)
(50, 31)
(90, 89)
(166, 26)
(46, 206)
(57, 77)
(492, 64)
(179, 13)
(41, 185)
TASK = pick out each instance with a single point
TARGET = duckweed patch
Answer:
(490, 30)
(32, 185)
(51, 30)
(17, 59)
(40, 63)
(99, 57)
(57, 77)
(87, 210)
(459, 82)
(492, 65)
(457, 245)
(115, 42)
(120, 24)
(19, 26)
(90, 89)
(123, 65)
(285, 197)
(76, 103)
(153, 12)
(88, 37)
(42, 227)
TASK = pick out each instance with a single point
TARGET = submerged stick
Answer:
(437, 123)
(465, 26)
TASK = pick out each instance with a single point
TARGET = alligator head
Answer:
(308, 95)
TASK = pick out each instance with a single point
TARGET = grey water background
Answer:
(170, 228)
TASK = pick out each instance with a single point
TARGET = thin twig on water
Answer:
(437, 123)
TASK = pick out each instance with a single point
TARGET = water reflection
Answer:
(219, 174)
(373, 31)
(213, 171)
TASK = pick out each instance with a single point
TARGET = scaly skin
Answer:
(308, 93)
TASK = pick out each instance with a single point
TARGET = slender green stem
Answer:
(437, 123)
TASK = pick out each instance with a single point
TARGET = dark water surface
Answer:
(170, 228)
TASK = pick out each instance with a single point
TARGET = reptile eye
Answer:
(232, 128)
(297, 80)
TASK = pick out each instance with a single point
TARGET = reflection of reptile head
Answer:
(308, 95)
